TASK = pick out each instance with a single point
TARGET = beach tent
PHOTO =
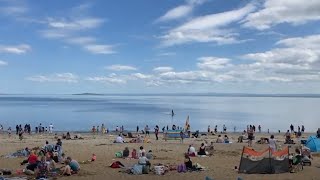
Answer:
(313, 143)
(264, 162)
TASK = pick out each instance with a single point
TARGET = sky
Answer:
(160, 46)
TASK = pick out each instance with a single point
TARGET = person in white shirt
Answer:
(141, 151)
(191, 151)
(143, 159)
(272, 144)
(119, 139)
(50, 128)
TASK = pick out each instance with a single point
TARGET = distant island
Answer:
(88, 94)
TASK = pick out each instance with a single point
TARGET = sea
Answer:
(81, 112)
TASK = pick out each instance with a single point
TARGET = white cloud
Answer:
(213, 63)
(107, 79)
(100, 49)
(180, 11)
(118, 67)
(283, 11)
(166, 54)
(208, 28)
(81, 40)
(3, 63)
(176, 13)
(75, 24)
(15, 49)
(13, 10)
(141, 76)
(57, 77)
(163, 69)
(73, 29)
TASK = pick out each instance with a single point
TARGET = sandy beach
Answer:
(220, 166)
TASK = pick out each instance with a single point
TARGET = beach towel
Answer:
(116, 164)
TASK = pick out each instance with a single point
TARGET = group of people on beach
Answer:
(43, 162)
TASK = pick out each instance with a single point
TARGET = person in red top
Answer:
(32, 159)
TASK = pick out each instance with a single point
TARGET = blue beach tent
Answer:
(313, 143)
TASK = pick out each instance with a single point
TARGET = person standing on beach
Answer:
(216, 129)
(250, 136)
(167, 128)
(259, 128)
(137, 129)
(17, 129)
(9, 132)
(156, 131)
(103, 129)
(147, 130)
(291, 128)
(224, 129)
(208, 129)
(302, 128)
(272, 144)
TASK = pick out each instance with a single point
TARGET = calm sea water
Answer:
(73, 112)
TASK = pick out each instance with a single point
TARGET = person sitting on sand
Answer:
(226, 139)
(134, 154)
(48, 147)
(119, 139)
(219, 140)
(149, 155)
(68, 137)
(318, 133)
(32, 158)
(67, 169)
(141, 151)
(191, 151)
(125, 152)
(42, 169)
(187, 161)
(202, 150)
(51, 163)
(143, 160)
(210, 149)
(74, 165)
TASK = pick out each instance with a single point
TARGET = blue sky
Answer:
(267, 46)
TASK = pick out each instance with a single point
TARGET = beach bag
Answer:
(118, 154)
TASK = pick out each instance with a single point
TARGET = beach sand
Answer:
(220, 166)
